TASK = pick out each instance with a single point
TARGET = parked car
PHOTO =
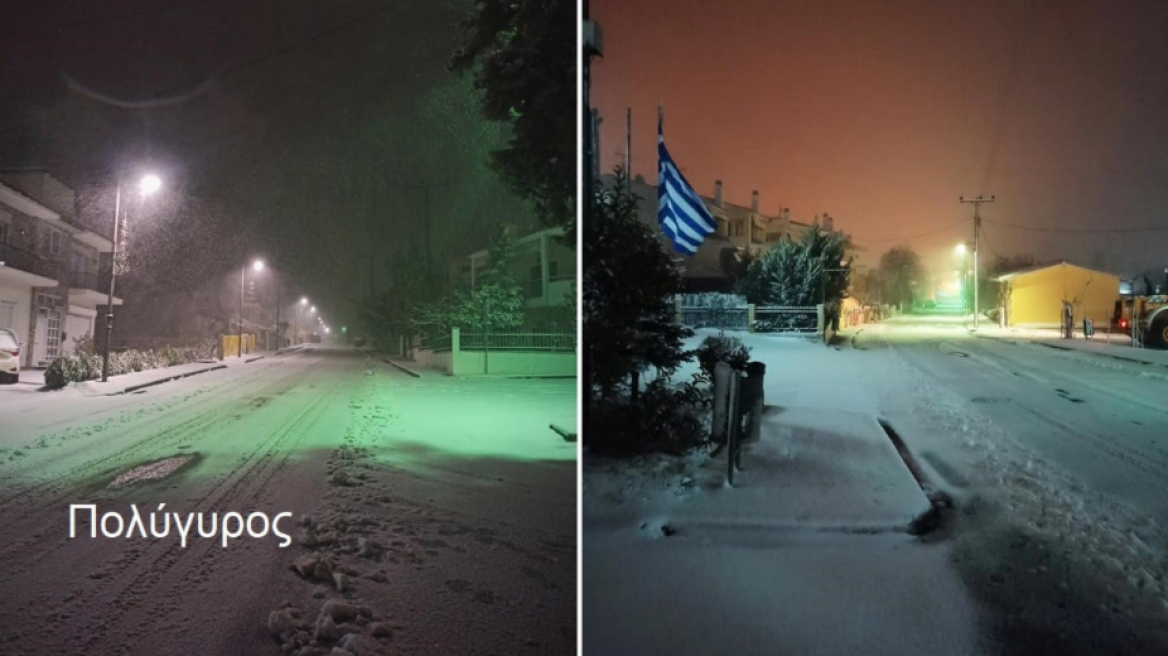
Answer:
(9, 357)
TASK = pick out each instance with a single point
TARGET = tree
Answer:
(524, 59)
(629, 281)
(992, 294)
(799, 273)
(900, 269)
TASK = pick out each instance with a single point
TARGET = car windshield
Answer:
(8, 339)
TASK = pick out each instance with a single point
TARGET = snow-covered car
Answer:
(9, 357)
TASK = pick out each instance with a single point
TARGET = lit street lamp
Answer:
(258, 265)
(148, 185)
(299, 309)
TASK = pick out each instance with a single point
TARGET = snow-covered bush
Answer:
(719, 348)
(665, 418)
(87, 366)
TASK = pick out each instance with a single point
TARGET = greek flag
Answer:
(682, 214)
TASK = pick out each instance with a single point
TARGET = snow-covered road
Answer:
(443, 508)
(1058, 461)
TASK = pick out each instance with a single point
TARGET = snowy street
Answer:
(1056, 462)
(435, 515)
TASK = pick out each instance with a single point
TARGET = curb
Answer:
(134, 388)
(398, 366)
(1017, 342)
(254, 359)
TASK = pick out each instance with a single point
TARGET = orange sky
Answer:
(884, 116)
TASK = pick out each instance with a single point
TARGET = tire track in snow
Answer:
(58, 487)
(212, 417)
(247, 480)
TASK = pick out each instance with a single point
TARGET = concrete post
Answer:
(722, 373)
(454, 343)
(750, 317)
(821, 326)
(732, 437)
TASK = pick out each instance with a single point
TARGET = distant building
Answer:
(741, 230)
(51, 278)
(1035, 296)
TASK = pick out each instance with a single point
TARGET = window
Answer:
(52, 241)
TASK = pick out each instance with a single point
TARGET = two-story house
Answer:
(50, 286)
(543, 266)
(740, 230)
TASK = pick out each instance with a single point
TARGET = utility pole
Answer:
(977, 203)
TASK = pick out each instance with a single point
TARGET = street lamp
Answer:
(148, 185)
(299, 309)
(258, 266)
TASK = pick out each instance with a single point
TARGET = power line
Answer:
(1081, 231)
(300, 44)
(914, 237)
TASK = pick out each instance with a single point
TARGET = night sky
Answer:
(883, 113)
(295, 126)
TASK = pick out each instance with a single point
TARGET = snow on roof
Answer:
(1005, 277)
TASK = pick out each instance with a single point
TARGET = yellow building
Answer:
(1035, 296)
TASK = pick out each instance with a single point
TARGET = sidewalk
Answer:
(1119, 346)
(33, 380)
(807, 553)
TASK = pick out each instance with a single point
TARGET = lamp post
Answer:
(299, 309)
(258, 266)
(148, 185)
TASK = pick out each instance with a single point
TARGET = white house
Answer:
(543, 266)
(50, 286)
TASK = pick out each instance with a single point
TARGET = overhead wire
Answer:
(1080, 231)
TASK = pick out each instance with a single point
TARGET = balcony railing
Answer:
(15, 257)
(534, 288)
(88, 280)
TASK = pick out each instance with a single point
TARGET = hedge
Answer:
(85, 366)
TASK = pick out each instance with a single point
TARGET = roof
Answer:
(1005, 277)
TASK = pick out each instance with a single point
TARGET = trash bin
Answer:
(1088, 328)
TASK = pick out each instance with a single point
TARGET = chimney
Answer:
(827, 223)
(718, 193)
(754, 201)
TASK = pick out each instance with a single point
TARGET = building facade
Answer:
(1036, 296)
(741, 230)
(542, 265)
(50, 285)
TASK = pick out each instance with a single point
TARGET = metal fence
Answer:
(562, 342)
(708, 317)
(786, 319)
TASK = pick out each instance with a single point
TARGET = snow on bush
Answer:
(87, 366)
(719, 348)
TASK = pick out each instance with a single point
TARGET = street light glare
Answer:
(258, 266)
(150, 184)
(961, 249)
(303, 300)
